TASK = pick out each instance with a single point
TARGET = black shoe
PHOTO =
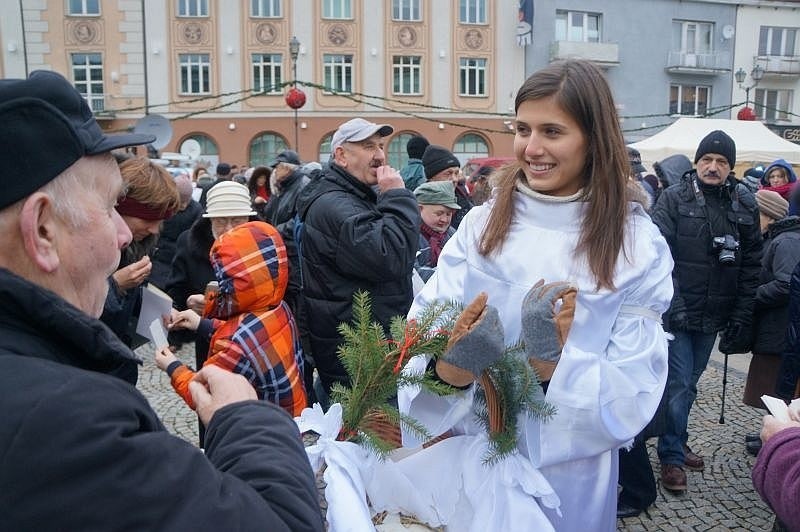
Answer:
(623, 510)
(752, 436)
(753, 447)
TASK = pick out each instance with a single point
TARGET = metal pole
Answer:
(724, 382)
(294, 84)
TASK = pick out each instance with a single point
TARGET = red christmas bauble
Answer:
(745, 113)
(295, 98)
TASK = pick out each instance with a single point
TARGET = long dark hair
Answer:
(581, 90)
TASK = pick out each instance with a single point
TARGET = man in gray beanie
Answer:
(710, 222)
(441, 165)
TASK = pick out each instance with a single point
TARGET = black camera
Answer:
(727, 246)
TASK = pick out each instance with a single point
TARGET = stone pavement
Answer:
(719, 498)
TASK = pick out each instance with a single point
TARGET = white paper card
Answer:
(155, 305)
(158, 334)
(776, 407)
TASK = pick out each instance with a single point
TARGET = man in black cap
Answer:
(82, 449)
(441, 165)
(711, 224)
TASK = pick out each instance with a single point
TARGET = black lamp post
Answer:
(294, 50)
(757, 74)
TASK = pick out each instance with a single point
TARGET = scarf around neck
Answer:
(436, 241)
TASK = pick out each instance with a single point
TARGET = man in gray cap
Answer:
(710, 222)
(82, 449)
(359, 231)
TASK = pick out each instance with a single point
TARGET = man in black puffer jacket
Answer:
(710, 222)
(81, 449)
(355, 239)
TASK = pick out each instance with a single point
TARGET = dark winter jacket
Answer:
(280, 211)
(771, 314)
(191, 272)
(671, 169)
(462, 198)
(354, 240)
(707, 293)
(789, 371)
(171, 229)
(82, 450)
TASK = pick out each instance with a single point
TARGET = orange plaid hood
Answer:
(252, 269)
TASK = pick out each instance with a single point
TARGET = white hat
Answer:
(228, 198)
(358, 129)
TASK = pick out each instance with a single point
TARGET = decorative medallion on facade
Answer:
(193, 33)
(338, 35)
(84, 32)
(407, 36)
(266, 33)
(473, 39)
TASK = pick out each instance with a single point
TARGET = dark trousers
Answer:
(636, 477)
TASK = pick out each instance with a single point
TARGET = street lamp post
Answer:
(294, 50)
(756, 74)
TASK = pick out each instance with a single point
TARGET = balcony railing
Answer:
(711, 63)
(778, 65)
(603, 53)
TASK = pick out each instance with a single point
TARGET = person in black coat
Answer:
(82, 449)
(771, 313)
(710, 222)
(188, 213)
(355, 239)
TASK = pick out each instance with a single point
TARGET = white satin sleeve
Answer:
(606, 394)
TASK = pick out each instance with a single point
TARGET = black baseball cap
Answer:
(46, 127)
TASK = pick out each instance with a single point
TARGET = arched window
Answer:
(265, 147)
(470, 145)
(396, 153)
(207, 146)
(325, 148)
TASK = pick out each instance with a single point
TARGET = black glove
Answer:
(676, 321)
(736, 338)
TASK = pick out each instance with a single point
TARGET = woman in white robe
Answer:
(563, 213)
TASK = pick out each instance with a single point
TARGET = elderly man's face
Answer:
(89, 251)
(362, 159)
(713, 168)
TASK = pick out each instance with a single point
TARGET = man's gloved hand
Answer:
(676, 321)
(476, 343)
(736, 338)
(545, 324)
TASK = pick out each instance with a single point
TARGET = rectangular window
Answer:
(84, 7)
(472, 77)
(577, 26)
(337, 73)
(407, 10)
(337, 9)
(195, 73)
(777, 41)
(692, 37)
(689, 100)
(406, 72)
(87, 74)
(192, 8)
(265, 8)
(267, 73)
(773, 105)
(472, 11)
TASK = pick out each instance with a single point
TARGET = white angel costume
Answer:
(613, 367)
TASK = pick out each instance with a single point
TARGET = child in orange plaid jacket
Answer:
(254, 332)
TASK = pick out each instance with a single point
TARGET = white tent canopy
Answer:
(754, 142)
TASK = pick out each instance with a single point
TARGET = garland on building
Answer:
(508, 389)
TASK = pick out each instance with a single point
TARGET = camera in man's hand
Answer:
(727, 246)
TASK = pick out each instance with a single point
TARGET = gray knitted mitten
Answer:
(476, 343)
(545, 328)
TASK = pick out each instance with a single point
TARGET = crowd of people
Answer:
(633, 279)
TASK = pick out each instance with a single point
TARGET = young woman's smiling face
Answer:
(551, 147)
